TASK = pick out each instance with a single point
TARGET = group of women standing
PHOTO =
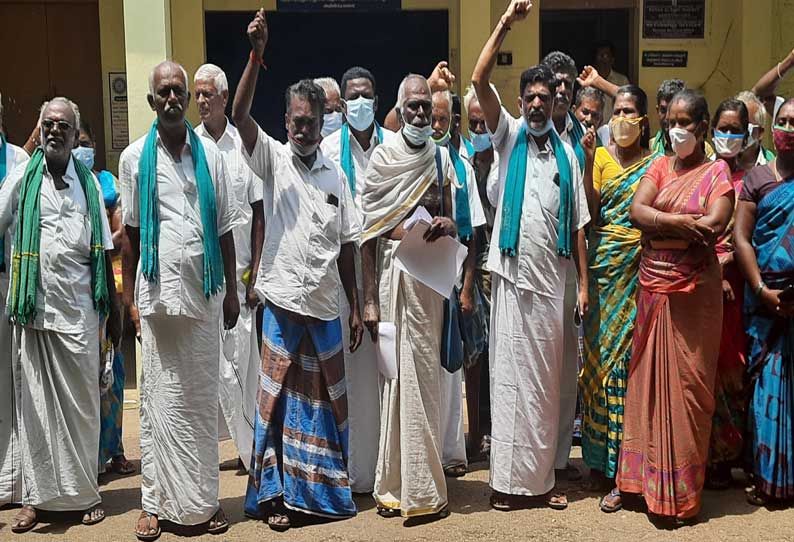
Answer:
(682, 246)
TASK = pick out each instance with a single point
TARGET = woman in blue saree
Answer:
(764, 244)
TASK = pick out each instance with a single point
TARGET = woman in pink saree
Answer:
(682, 206)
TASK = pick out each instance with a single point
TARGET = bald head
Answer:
(413, 83)
(168, 93)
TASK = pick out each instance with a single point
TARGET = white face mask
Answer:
(360, 113)
(415, 135)
(683, 142)
(539, 132)
(727, 145)
(331, 122)
(303, 150)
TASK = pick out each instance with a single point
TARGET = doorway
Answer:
(590, 26)
(50, 49)
(390, 44)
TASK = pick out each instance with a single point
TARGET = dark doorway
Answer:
(50, 49)
(390, 44)
(588, 26)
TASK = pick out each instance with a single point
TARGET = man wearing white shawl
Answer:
(402, 175)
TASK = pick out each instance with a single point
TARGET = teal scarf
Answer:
(577, 133)
(3, 171)
(346, 157)
(468, 145)
(25, 276)
(150, 216)
(462, 211)
(513, 195)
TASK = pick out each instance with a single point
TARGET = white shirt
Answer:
(64, 302)
(475, 206)
(14, 157)
(309, 214)
(246, 189)
(537, 267)
(332, 147)
(179, 290)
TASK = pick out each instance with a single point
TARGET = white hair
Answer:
(447, 95)
(471, 95)
(747, 97)
(401, 89)
(211, 72)
(328, 85)
(64, 101)
(151, 74)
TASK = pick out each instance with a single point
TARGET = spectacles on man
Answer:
(49, 124)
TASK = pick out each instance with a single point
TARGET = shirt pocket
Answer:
(549, 194)
(74, 230)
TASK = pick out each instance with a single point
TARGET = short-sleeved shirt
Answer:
(179, 289)
(14, 157)
(245, 189)
(604, 168)
(332, 146)
(64, 301)
(537, 267)
(759, 182)
(310, 214)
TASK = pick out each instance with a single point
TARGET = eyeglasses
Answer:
(49, 124)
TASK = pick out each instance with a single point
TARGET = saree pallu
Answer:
(670, 395)
(771, 349)
(301, 430)
(613, 263)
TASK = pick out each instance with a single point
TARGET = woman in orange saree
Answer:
(682, 206)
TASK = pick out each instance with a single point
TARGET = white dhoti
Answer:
(10, 470)
(58, 417)
(239, 379)
(525, 364)
(410, 475)
(363, 407)
(179, 418)
(570, 371)
(452, 433)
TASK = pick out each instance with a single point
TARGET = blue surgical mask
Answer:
(360, 113)
(442, 141)
(417, 136)
(331, 123)
(538, 133)
(480, 142)
(85, 155)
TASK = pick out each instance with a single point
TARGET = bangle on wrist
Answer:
(759, 288)
(778, 71)
(257, 60)
(656, 220)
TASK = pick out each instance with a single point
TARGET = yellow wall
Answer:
(112, 55)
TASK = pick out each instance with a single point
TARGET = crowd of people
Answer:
(259, 274)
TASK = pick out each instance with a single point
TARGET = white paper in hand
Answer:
(436, 264)
(420, 214)
(387, 350)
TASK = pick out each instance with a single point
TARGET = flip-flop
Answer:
(89, 512)
(221, 526)
(26, 513)
(276, 522)
(756, 498)
(386, 512)
(455, 471)
(152, 536)
(607, 508)
(502, 502)
(122, 467)
(557, 505)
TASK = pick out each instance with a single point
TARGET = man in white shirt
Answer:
(604, 62)
(11, 157)
(301, 431)
(332, 113)
(570, 131)
(469, 217)
(529, 263)
(351, 148)
(239, 355)
(179, 220)
(62, 290)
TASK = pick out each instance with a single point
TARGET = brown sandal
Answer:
(557, 500)
(121, 465)
(220, 521)
(26, 516)
(455, 471)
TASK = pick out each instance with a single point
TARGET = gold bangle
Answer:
(778, 71)
(656, 220)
